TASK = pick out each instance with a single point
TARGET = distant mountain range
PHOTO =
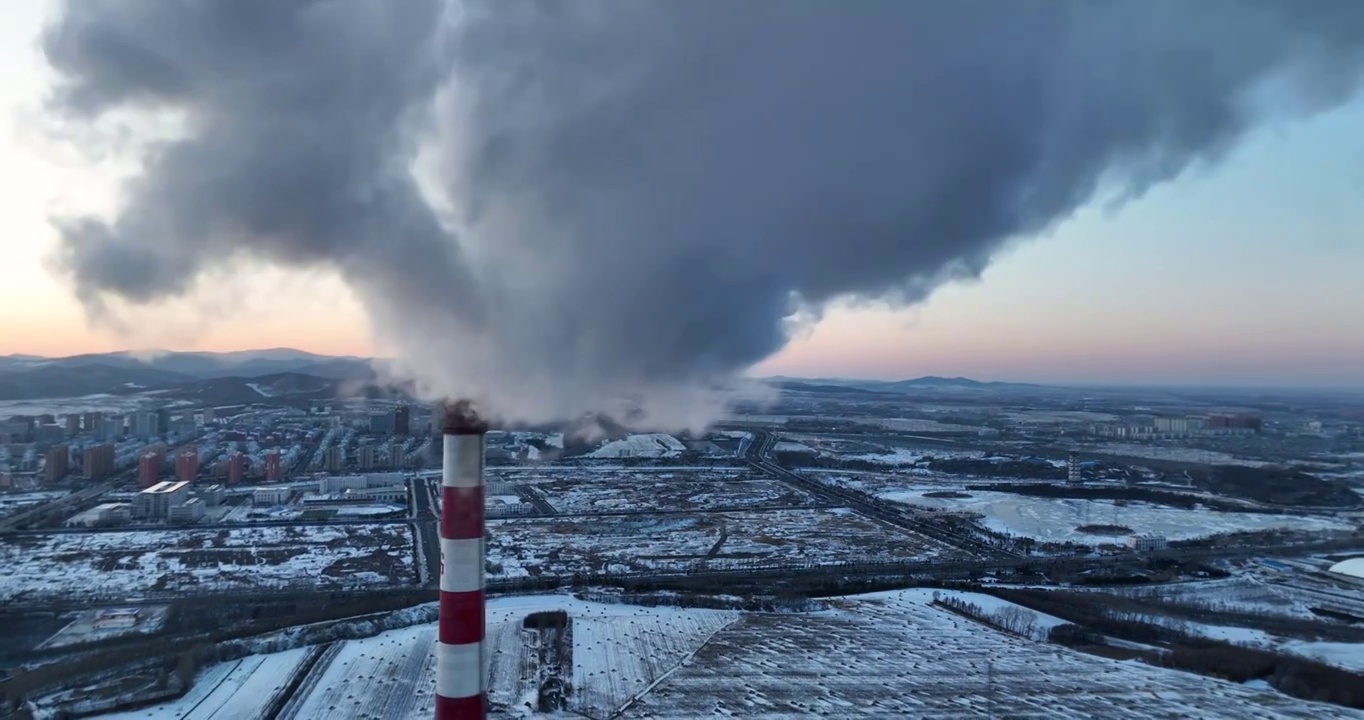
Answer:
(929, 383)
(225, 378)
(285, 373)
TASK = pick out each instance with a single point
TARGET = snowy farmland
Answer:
(121, 563)
(1239, 594)
(884, 655)
(1177, 454)
(578, 490)
(1056, 520)
(896, 655)
(643, 543)
(618, 652)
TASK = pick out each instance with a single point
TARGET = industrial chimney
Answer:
(461, 674)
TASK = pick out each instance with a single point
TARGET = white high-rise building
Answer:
(145, 425)
(157, 500)
(113, 428)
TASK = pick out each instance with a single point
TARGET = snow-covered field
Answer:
(650, 445)
(577, 490)
(1177, 454)
(1354, 567)
(893, 456)
(1020, 620)
(880, 453)
(123, 563)
(112, 404)
(1239, 594)
(884, 655)
(370, 510)
(227, 691)
(921, 425)
(618, 652)
(1057, 520)
(1349, 656)
(641, 543)
(895, 655)
(1047, 417)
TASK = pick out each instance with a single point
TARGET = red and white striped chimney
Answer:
(461, 674)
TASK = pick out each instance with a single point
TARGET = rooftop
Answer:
(165, 486)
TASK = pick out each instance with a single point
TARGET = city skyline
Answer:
(1242, 274)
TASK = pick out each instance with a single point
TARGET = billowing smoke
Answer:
(635, 198)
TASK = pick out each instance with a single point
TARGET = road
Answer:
(760, 457)
(61, 506)
(205, 526)
(424, 528)
(710, 579)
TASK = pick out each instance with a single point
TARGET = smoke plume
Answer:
(636, 198)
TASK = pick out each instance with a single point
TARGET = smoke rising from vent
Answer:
(636, 199)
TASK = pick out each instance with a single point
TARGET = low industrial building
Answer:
(271, 495)
(389, 493)
(342, 483)
(190, 511)
(1145, 542)
(213, 495)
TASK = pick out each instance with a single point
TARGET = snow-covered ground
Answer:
(227, 691)
(877, 453)
(891, 654)
(1027, 621)
(649, 445)
(369, 510)
(126, 563)
(1178, 454)
(1349, 656)
(641, 492)
(111, 404)
(921, 425)
(895, 655)
(1057, 520)
(1239, 594)
(1354, 567)
(894, 456)
(618, 652)
(641, 543)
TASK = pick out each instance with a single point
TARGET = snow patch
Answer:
(1354, 567)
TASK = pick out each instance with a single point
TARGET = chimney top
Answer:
(461, 419)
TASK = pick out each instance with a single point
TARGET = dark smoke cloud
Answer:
(641, 195)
